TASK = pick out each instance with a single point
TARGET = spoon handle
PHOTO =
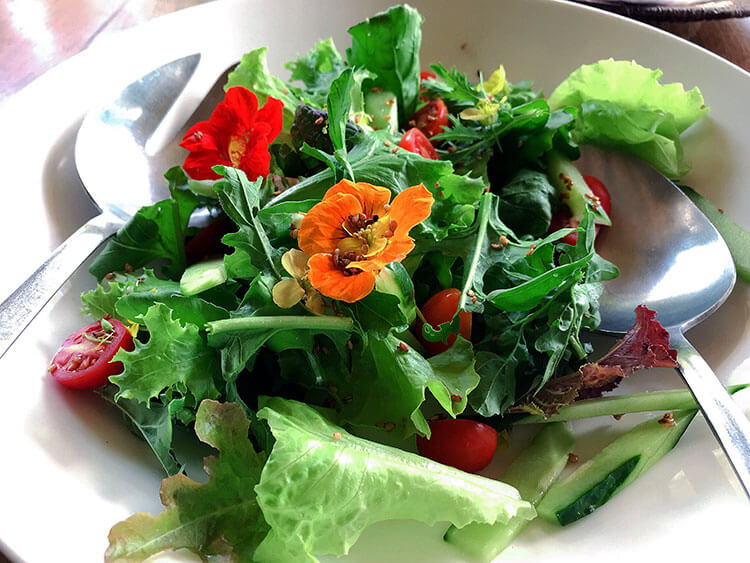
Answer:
(20, 308)
(724, 416)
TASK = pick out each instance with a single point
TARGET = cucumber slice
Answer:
(572, 188)
(203, 276)
(532, 473)
(612, 469)
(383, 107)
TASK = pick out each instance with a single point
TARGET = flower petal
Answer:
(314, 302)
(372, 198)
(396, 251)
(198, 165)
(271, 113)
(409, 208)
(256, 161)
(331, 281)
(237, 112)
(287, 293)
(320, 231)
(295, 263)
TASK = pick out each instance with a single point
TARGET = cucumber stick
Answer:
(572, 188)
(612, 469)
(203, 276)
(532, 473)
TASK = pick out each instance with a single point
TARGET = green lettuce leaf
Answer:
(391, 384)
(155, 231)
(220, 518)
(175, 357)
(387, 45)
(321, 487)
(623, 105)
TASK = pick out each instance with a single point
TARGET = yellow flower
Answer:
(290, 291)
(497, 84)
(485, 112)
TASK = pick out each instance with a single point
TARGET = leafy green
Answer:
(128, 296)
(452, 85)
(526, 203)
(220, 518)
(391, 382)
(152, 422)
(240, 199)
(390, 307)
(387, 45)
(357, 483)
(318, 68)
(155, 231)
(175, 357)
(623, 105)
(737, 238)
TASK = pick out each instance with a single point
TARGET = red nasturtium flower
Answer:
(354, 232)
(237, 135)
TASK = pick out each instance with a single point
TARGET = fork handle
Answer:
(724, 416)
(20, 308)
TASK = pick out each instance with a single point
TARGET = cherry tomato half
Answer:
(415, 141)
(83, 359)
(439, 309)
(431, 118)
(424, 75)
(562, 219)
(464, 444)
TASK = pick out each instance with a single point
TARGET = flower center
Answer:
(368, 236)
(236, 150)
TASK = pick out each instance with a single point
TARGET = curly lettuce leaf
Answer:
(322, 486)
(220, 518)
(176, 357)
(318, 67)
(623, 105)
(387, 45)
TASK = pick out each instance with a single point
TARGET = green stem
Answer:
(241, 324)
(667, 401)
(483, 218)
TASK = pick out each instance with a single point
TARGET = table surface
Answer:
(39, 35)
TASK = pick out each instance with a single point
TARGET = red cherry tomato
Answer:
(463, 444)
(431, 119)
(439, 309)
(424, 75)
(83, 360)
(415, 141)
(563, 219)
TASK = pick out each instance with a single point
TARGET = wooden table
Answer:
(37, 36)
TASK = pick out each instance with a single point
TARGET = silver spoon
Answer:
(672, 260)
(111, 154)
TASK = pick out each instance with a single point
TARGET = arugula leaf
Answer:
(453, 86)
(387, 45)
(155, 231)
(391, 382)
(390, 307)
(152, 422)
(220, 518)
(622, 105)
(240, 199)
(175, 357)
(496, 391)
(357, 483)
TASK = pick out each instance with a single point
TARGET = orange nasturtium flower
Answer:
(354, 232)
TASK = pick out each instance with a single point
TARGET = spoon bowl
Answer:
(674, 261)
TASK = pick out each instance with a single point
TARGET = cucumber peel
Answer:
(612, 469)
(674, 400)
(573, 190)
(532, 473)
